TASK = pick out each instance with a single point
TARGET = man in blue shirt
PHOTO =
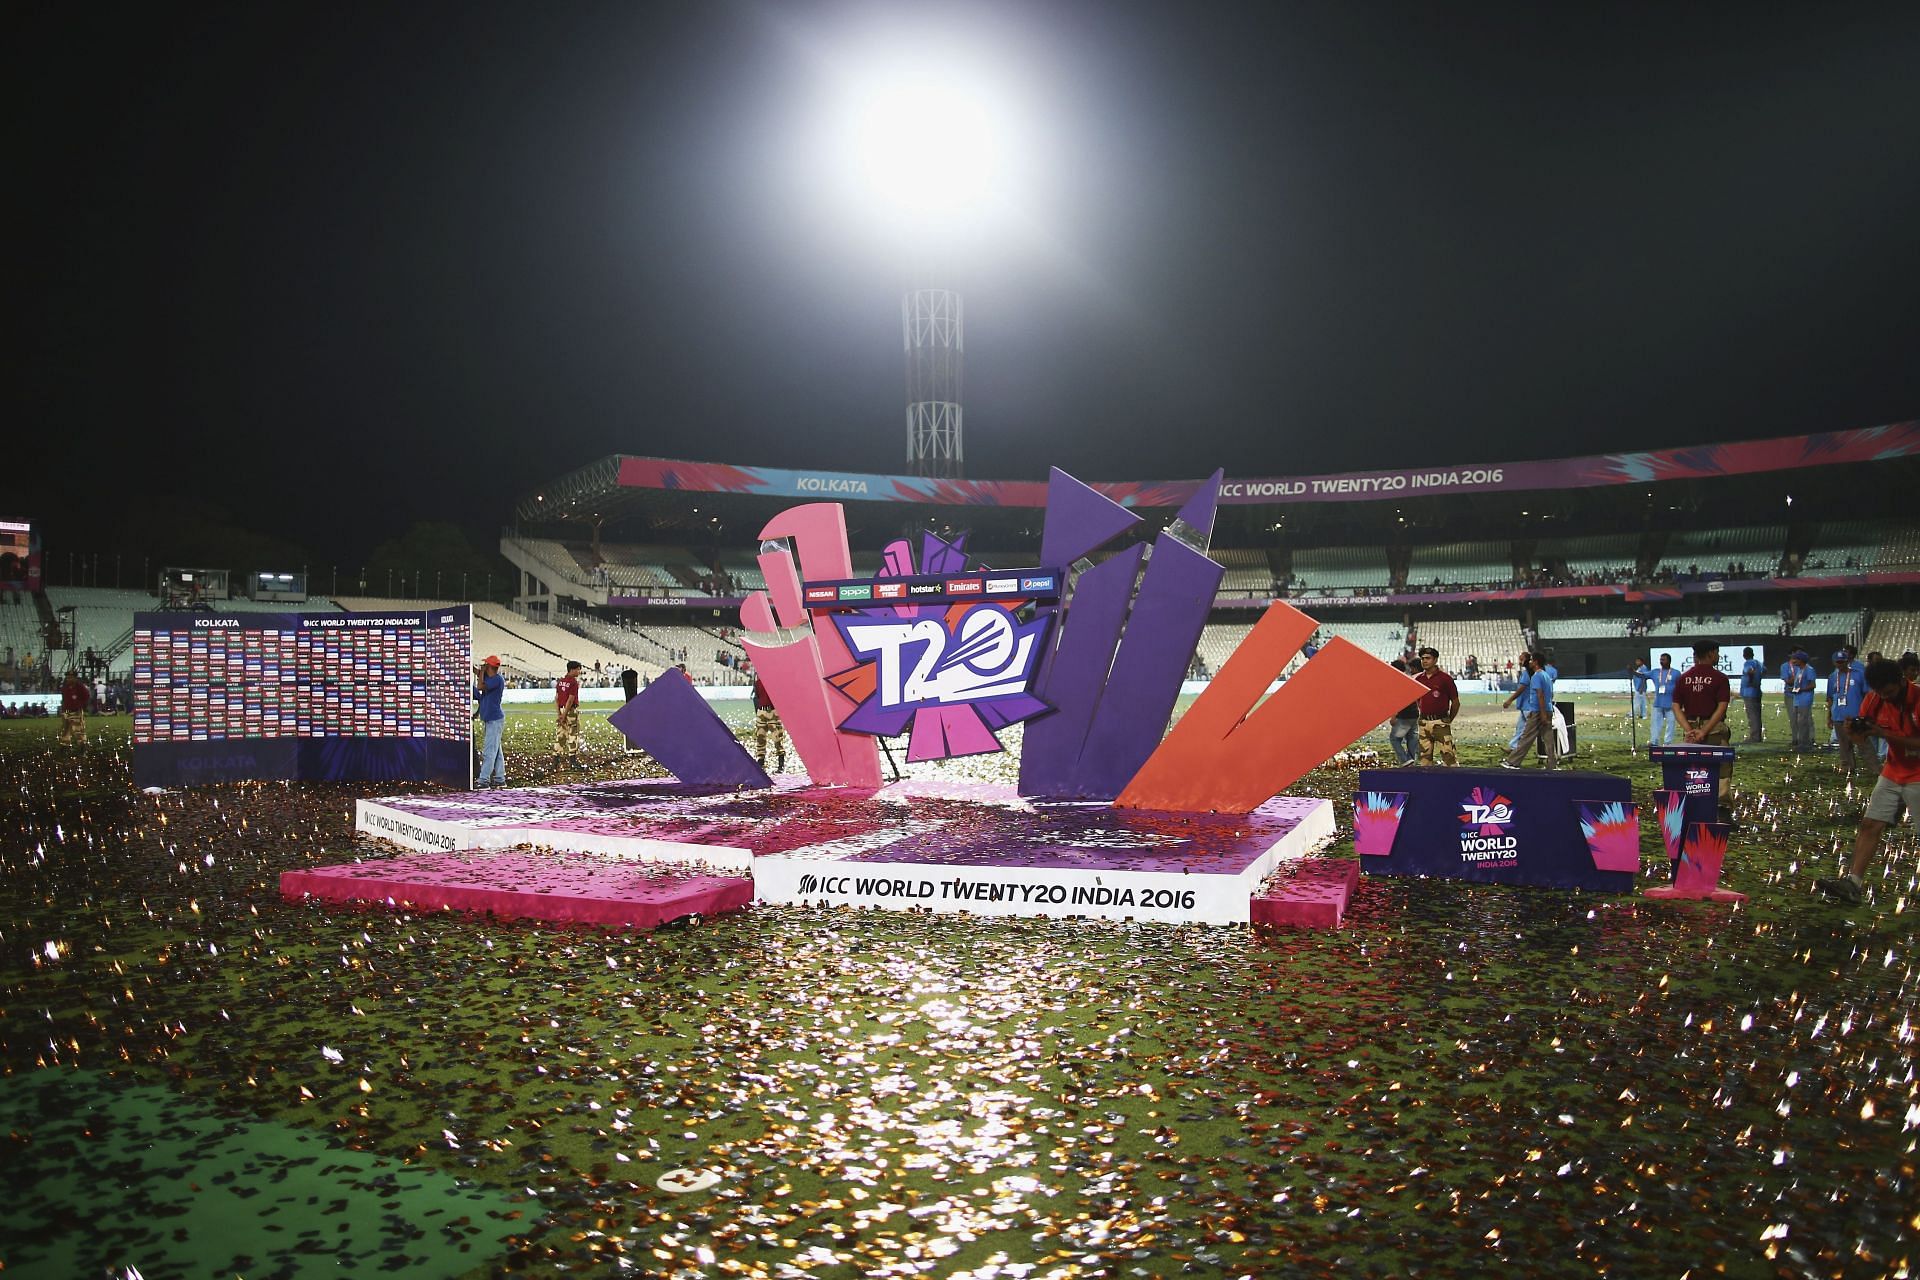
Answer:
(1519, 695)
(1800, 682)
(1846, 686)
(1664, 680)
(488, 687)
(1536, 704)
(1750, 693)
(1640, 676)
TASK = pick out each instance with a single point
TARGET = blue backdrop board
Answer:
(222, 697)
(1497, 826)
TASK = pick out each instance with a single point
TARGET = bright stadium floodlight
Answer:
(924, 149)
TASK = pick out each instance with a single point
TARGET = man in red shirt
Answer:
(1700, 701)
(74, 698)
(1891, 711)
(566, 701)
(1438, 706)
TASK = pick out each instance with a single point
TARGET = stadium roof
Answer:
(625, 485)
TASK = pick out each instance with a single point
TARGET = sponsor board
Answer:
(889, 590)
(1003, 586)
(822, 595)
(923, 589)
(863, 592)
(964, 586)
(1039, 582)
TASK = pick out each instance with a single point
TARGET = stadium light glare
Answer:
(922, 146)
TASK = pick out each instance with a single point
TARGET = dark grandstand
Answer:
(1808, 542)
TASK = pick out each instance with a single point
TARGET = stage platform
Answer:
(938, 846)
(516, 884)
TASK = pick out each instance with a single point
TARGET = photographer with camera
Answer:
(1890, 712)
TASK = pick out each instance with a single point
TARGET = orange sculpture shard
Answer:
(1229, 755)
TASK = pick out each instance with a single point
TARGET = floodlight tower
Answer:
(933, 330)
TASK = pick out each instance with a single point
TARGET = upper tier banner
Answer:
(1749, 457)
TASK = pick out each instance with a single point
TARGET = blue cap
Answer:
(1839, 655)
(1800, 654)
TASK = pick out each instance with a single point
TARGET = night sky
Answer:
(348, 265)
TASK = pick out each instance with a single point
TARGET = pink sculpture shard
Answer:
(1697, 875)
(1612, 830)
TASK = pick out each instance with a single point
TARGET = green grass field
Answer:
(200, 1079)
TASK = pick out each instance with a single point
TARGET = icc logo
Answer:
(985, 654)
(808, 884)
(1487, 811)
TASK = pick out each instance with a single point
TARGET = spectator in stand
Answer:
(566, 704)
(74, 699)
(1891, 713)
(1798, 675)
(1438, 706)
(1750, 673)
(1846, 689)
(1700, 704)
(1664, 680)
(1537, 706)
(488, 688)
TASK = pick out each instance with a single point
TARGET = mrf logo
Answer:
(1485, 816)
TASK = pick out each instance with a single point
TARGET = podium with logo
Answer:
(1564, 829)
(1688, 808)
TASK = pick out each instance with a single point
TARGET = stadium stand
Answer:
(1844, 545)
(1484, 638)
(1614, 557)
(1835, 622)
(1899, 550)
(1758, 548)
(1339, 570)
(1383, 640)
(1463, 563)
(1248, 572)
(1580, 629)
(1218, 641)
(1894, 632)
(20, 631)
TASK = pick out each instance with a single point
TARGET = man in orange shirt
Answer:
(1891, 711)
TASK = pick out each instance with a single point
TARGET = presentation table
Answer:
(1564, 829)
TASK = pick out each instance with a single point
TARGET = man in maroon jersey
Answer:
(1438, 706)
(566, 702)
(74, 700)
(1700, 702)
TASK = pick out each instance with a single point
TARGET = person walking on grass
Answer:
(1536, 705)
(74, 698)
(767, 729)
(487, 689)
(566, 706)
(1890, 713)
(1800, 682)
(1750, 673)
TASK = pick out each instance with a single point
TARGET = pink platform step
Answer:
(1312, 895)
(519, 885)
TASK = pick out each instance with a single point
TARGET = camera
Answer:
(1860, 724)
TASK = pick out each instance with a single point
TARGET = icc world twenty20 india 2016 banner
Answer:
(226, 696)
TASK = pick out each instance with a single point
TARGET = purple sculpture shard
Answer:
(670, 721)
(1114, 693)
(1079, 520)
(1168, 615)
(1072, 681)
